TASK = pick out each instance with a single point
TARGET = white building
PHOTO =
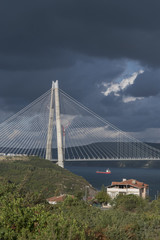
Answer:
(2, 154)
(130, 186)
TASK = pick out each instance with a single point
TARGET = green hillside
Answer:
(26, 216)
(39, 175)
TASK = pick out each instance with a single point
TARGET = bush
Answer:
(102, 196)
(129, 202)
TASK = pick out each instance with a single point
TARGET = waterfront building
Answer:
(130, 186)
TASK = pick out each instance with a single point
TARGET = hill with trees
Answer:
(41, 176)
(24, 216)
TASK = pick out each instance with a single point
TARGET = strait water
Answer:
(149, 176)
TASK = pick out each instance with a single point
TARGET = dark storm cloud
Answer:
(42, 33)
(20, 88)
(83, 44)
(55, 58)
(145, 85)
(132, 116)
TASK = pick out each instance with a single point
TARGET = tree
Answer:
(129, 202)
(102, 196)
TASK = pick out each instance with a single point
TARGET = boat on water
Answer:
(108, 171)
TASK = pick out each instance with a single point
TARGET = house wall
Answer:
(113, 192)
(52, 202)
(145, 192)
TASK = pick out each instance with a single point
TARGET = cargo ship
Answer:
(108, 171)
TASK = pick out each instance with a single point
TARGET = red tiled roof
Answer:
(131, 182)
(58, 198)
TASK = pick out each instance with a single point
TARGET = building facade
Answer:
(130, 186)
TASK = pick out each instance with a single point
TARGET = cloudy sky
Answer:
(105, 53)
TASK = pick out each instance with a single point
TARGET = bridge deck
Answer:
(110, 159)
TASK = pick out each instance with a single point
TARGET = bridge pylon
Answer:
(55, 106)
(58, 127)
(50, 126)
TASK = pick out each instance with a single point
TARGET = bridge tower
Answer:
(50, 126)
(55, 89)
(59, 127)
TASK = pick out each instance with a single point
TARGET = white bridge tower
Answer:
(55, 107)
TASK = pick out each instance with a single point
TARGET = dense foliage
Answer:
(39, 175)
(129, 203)
(25, 215)
(102, 196)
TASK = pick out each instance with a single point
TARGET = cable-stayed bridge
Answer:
(57, 127)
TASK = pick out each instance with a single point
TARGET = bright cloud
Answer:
(115, 88)
(127, 99)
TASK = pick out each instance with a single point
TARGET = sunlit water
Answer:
(149, 176)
